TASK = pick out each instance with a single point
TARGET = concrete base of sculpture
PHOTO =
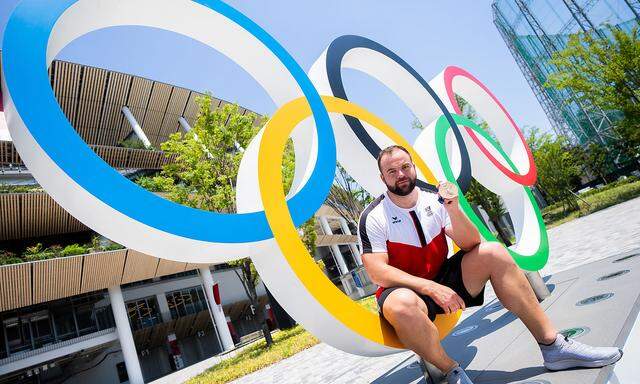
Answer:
(599, 302)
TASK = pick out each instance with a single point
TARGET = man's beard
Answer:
(402, 190)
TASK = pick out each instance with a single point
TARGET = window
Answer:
(86, 320)
(186, 302)
(348, 256)
(3, 347)
(41, 329)
(143, 313)
(42, 324)
(18, 335)
(64, 322)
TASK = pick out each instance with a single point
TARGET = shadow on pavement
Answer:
(407, 371)
(459, 346)
(489, 376)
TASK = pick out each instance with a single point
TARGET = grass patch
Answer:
(369, 303)
(255, 357)
(286, 343)
(593, 201)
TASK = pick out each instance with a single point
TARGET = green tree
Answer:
(346, 197)
(204, 172)
(595, 160)
(207, 158)
(248, 276)
(558, 167)
(492, 204)
(606, 73)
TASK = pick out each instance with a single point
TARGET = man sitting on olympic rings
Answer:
(402, 234)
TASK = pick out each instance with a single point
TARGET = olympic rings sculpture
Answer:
(450, 147)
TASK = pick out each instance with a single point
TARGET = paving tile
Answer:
(585, 240)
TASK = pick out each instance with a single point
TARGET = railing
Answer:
(327, 240)
(34, 352)
(26, 215)
(357, 283)
(9, 154)
(117, 157)
(35, 282)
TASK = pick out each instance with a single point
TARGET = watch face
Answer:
(447, 190)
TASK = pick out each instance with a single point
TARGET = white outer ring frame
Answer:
(357, 160)
(180, 16)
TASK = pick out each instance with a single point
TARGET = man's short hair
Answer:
(389, 150)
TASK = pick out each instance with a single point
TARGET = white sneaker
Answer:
(567, 353)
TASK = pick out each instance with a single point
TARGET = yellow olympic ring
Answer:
(272, 146)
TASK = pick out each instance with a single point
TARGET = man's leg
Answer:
(408, 315)
(491, 261)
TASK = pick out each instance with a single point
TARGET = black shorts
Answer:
(450, 275)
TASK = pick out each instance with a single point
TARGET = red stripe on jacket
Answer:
(424, 262)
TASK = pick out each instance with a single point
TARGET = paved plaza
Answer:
(602, 234)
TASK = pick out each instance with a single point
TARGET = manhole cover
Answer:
(612, 275)
(626, 257)
(594, 299)
(576, 332)
(465, 330)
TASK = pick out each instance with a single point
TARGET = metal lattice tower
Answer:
(635, 8)
(554, 114)
(580, 15)
(598, 128)
(566, 29)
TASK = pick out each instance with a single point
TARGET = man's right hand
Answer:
(444, 296)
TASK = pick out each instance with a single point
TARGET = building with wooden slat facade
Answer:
(58, 317)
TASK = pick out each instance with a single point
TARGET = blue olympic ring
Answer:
(25, 71)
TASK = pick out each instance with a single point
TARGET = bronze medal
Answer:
(447, 190)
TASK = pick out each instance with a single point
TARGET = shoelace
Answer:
(574, 346)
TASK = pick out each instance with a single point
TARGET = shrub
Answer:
(154, 183)
(10, 260)
(20, 188)
(113, 247)
(7, 257)
(133, 143)
(73, 249)
(628, 180)
(4, 254)
(34, 249)
(600, 199)
(55, 249)
(39, 256)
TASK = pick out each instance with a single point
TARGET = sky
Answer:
(429, 35)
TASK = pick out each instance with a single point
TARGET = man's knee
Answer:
(495, 252)
(401, 304)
